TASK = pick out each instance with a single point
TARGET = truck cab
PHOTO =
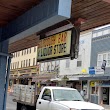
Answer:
(62, 98)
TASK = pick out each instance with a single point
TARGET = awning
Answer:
(13, 77)
(43, 77)
(56, 79)
(21, 76)
(24, 76)
(95, 77)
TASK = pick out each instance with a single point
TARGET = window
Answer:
(27, 51)
(108, 63)
(22, 52)
(29, 61)
(46, 92)
(52, 65)
(33, 61)
(108, 59)
(13, 55)
(45, 66)
(15, 65)
(67, 63)
(103, 56)
(79, 61)
(36, 62)
(56, 66)
(42, 67)
(30, 50)
(99, 33)
(99, 63)
(11, 66)
(109, 56)
(16, 54)
(21, 64)
(48, 66)
(66, 95)
(57, 63)
(34, 49)
(106, 32)
(26, 63)
(18, 65)
(94, 35)
(100, 59)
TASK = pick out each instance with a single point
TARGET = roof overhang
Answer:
(95, 77)
(94, 13)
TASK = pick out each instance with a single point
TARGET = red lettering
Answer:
(65, 36)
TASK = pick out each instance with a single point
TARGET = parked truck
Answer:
(50, 98)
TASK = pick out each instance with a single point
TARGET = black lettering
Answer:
(44, 52)
(59, 48)
(55, 49)
(64, 47)
(51, 50)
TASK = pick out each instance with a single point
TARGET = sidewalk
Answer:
(107, 107)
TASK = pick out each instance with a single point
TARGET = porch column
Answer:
(4, 73)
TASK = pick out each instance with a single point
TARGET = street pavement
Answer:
(10, 105)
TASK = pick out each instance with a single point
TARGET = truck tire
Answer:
(18, 106)
(23, 107)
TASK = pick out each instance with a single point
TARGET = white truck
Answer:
(51, 98)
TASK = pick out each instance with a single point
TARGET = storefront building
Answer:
(77, 68)
(24, 66)
(100, 52)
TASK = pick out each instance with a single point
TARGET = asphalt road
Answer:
(10, 105)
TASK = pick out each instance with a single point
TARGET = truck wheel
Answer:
(24, 108)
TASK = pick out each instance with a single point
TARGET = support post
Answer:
(4, 73)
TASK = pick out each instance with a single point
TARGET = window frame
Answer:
(99, 61)
(46, 95)
(79, 59)
(67, 64)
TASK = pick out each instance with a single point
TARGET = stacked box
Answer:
(22, 92)
(30, 90)
(16, 92)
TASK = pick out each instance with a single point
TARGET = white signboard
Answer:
(98, 70)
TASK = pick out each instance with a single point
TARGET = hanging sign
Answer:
(55, 46)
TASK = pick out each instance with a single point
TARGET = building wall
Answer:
(84, 52)
(100, 45)
(19, 57)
